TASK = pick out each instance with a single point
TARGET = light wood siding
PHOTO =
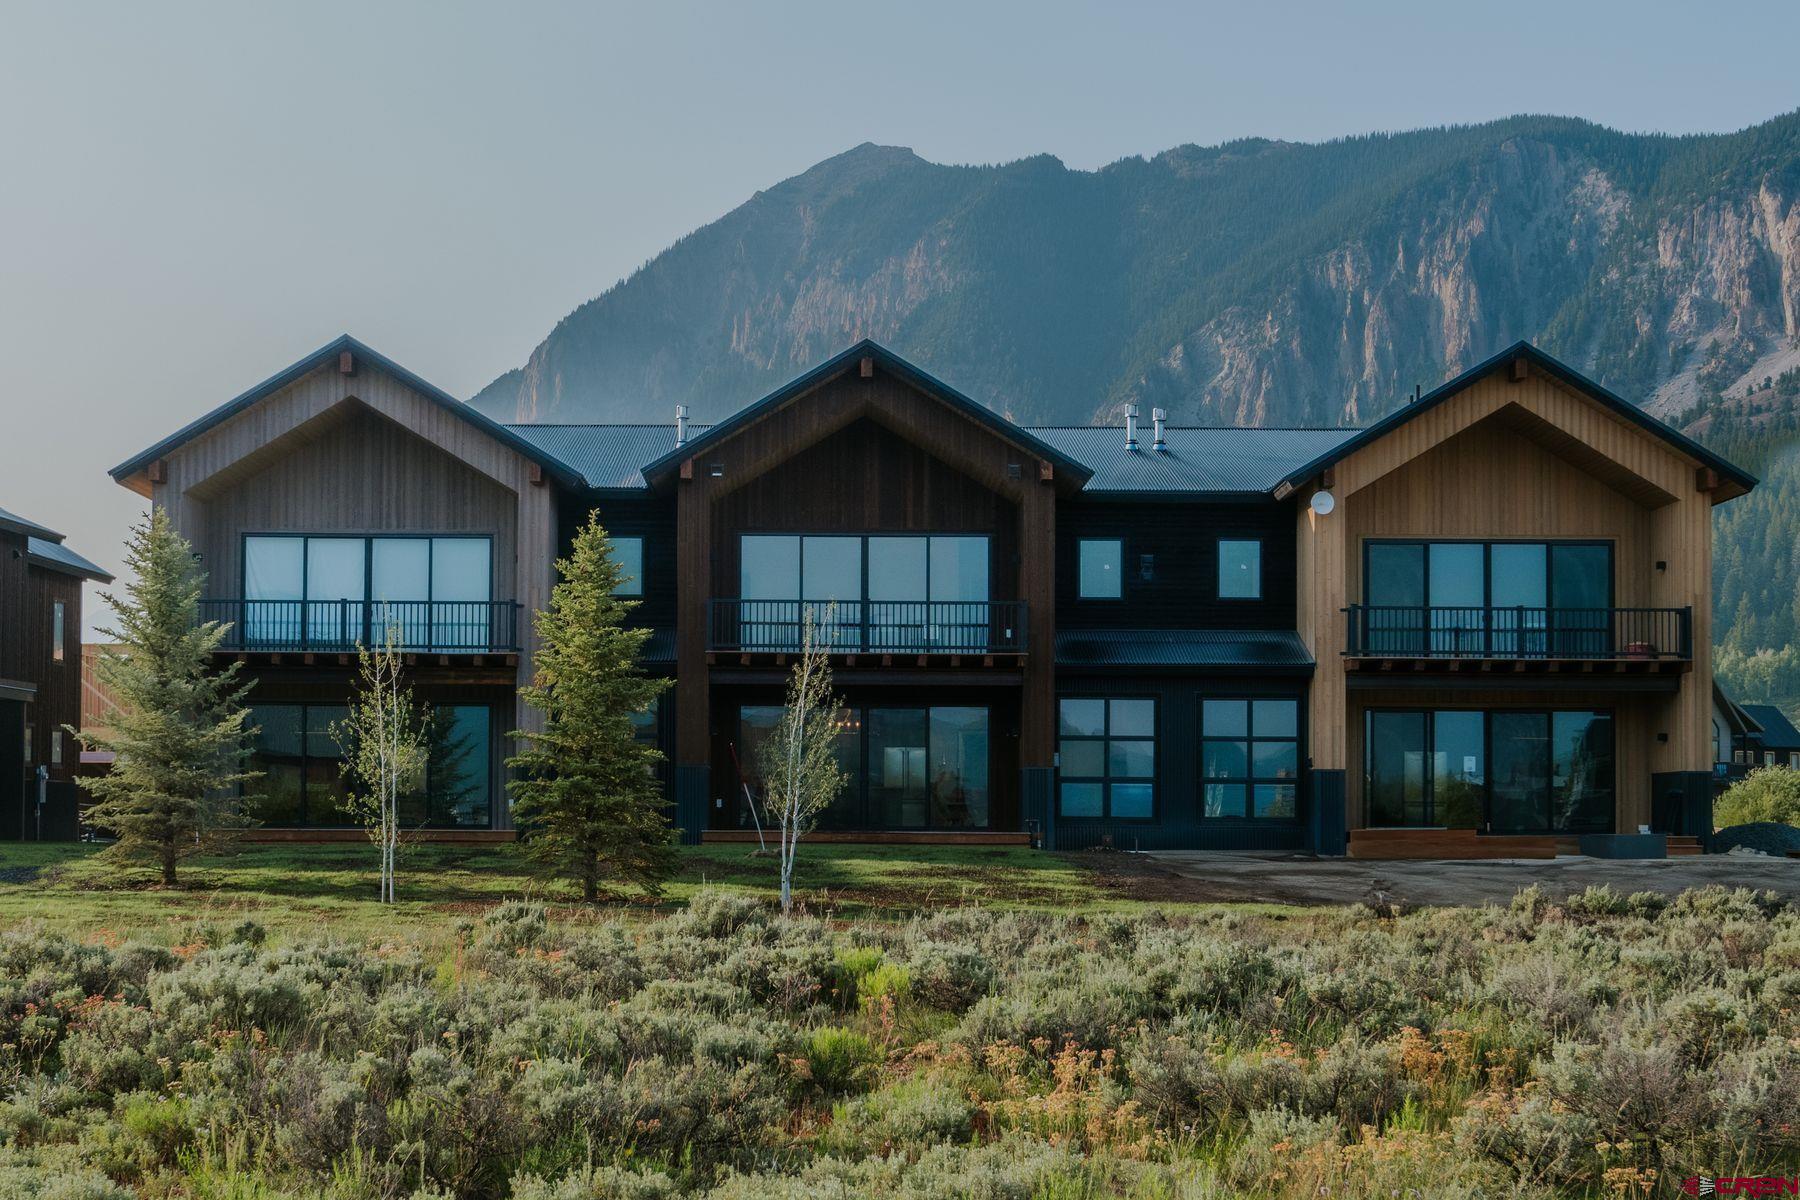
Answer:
(362, 453)
(1518, 459)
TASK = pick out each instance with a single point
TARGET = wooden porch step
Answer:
(1681, 847)
(1446, 844)
(883, 837)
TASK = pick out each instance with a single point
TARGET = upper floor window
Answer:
(628, 552)
(57, 632)
(850, 568)
(1106, 751)
(1101, 562)
(1492, 598)
(318, 588)
(1240, 569)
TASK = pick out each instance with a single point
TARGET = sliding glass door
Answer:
(908, 767)
(1506, 771)
(883, 592)
(1472, 599)
(314, 590)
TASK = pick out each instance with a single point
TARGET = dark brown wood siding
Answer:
(58, 700)
(649, 517)
(1183, 538)
(865, 479)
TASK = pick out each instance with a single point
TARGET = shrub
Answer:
(840, 1060)
(1765, 794)
(950, 976)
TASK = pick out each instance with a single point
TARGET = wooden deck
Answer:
(1446, 844)
(883, 837)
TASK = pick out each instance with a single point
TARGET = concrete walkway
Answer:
(1285, 879)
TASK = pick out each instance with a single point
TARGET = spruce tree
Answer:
(586, 800)
(181, 732)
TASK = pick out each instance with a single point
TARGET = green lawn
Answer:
(298, 889)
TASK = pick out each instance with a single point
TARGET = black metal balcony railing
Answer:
(875, 626)
(424, 626)
(1382, 631)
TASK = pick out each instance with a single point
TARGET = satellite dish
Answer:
(1323, 503)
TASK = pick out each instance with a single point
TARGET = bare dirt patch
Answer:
(1200, 877)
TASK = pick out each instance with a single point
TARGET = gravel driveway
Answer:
(1285, 879)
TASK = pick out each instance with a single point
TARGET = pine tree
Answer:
(587, 802)
(182, 731)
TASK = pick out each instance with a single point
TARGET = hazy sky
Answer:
(193, 196)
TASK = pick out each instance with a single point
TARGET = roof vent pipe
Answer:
(1159, 420)
(681, 424)
(1131, 416)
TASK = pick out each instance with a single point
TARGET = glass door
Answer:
(1581, 601)
(1396, 769)
(1396, 591)
(898, 767)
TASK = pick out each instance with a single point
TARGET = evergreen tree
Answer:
(181, 732)
(587, 802)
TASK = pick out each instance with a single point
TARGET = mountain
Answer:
(1257, 282)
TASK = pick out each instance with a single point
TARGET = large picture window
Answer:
(1507, 771)
(304, 589)
(1100, 568)
(882, 591)
(1106, 749)
(302, 764)
(908, 768)
(1250, 758)
(1240, 569)
(1489, 599)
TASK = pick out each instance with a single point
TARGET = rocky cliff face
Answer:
(1255, 283)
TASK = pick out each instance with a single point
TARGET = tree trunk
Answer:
(590, 881)
(168, 864)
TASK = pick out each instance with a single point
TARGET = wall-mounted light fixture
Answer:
(716, 470)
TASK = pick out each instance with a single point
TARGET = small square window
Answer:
(1240, 569)
(628, 552)
(1101, 568)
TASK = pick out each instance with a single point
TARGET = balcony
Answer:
(1519, 635)
(339, 626)
(935, 627)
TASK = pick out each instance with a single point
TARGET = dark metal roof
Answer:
(606, 456)
(365, 355)
(1778, 733)
(58, 557)
(1549, 365)
(14, 523)
(892, 363)
(1200, 460)
(1272, 649)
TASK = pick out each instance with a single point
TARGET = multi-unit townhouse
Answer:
(1488, 613)
(40, 678)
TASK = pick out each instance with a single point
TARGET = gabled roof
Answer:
(980, 413)
(57, 557)
(1550, 366)
(14, 523)
(364, 354)
(1778, 733)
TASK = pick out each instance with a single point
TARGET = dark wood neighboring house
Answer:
(40, 672)
(1489, 612)
(1775, 744)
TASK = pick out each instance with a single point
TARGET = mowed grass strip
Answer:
(301, 890)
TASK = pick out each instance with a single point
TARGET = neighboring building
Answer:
(1775, 743)
(40, 675)
(1490, 610)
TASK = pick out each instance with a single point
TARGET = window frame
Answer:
(1487, 563)
(59, 616)
(1219, 568)
(368, 538)
(1081, 545)
(1105, 740)
(306, 758)
(864, 537)
(634, 587)
(1548, 712)
(1250, 779)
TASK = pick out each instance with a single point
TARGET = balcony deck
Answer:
(444, 628)
(1519, 640)
(984, 633)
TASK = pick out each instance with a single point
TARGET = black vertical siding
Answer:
(1183, 592)
(649, 517)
